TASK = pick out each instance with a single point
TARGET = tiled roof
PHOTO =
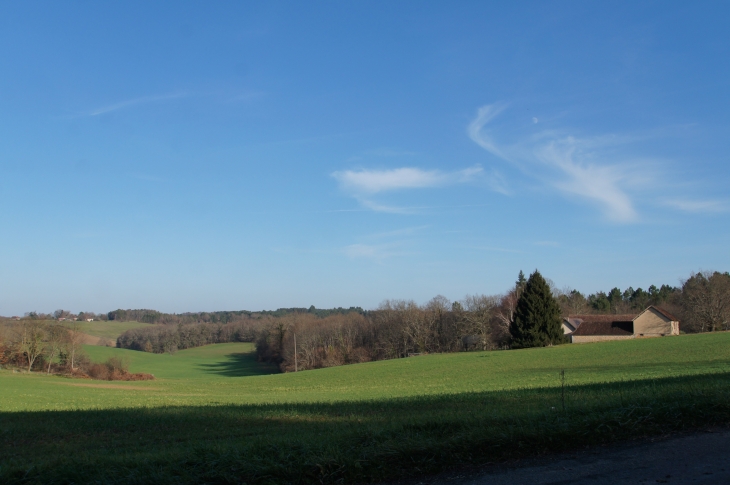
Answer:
(572, 323)
(605, 326)
(603, 318)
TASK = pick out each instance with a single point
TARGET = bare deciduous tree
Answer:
(480, 313)
(506, 310)
(572, 302)
(705, 300)
(60, 313)
(416, 328)
(438, 322)
(30, 336)
(73, 340)
(5, 347)
(55, 336)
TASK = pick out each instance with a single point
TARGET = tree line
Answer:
(187, 330)
(41, 345)
(616, 301)
(53, 348)
(153, 316)
(397, 328)
(61, 314)
(402, 328)
(170, 338)
(527, 315)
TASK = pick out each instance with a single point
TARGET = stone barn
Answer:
(652, 322)
(655, 322)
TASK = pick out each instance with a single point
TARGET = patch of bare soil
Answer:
(701, 458)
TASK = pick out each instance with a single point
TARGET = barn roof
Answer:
(572, 323)
(599, 324)
(602, 318)
(606, 326)
(609, 324)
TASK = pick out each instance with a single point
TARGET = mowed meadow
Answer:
(215, 415)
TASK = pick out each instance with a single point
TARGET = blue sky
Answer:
(211, 155)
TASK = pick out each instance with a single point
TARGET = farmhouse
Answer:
(652, 322)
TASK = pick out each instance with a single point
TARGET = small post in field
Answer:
(562, 387)
(296, 366)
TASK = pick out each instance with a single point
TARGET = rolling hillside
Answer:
(106, 330)
(214, 415)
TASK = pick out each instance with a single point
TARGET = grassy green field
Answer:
(211, 361)
(216, 415)
(110, 330)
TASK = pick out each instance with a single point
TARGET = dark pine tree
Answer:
(520, 283)
(536, 321)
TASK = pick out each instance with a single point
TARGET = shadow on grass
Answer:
(359, 441)
(240, 365)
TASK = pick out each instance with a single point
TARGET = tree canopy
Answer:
(536, 320)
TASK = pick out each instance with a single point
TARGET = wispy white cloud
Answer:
(485, 114)
(569, 164)
(698, 206)
(603, 184)
(374, 206)
(135, 101)
(374, 181)
(364, 184)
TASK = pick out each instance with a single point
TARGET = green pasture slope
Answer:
(211, 361)
(214, 415)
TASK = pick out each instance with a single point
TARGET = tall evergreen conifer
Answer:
(536, 321)
(520, 283)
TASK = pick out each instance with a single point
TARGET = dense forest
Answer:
(173, 337)
(310, 338)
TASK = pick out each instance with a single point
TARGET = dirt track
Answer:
(699, 458)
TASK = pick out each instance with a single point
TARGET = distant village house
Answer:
(652, 322)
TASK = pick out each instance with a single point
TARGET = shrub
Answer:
(115, 369)
(99, 372)
(117, 364)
